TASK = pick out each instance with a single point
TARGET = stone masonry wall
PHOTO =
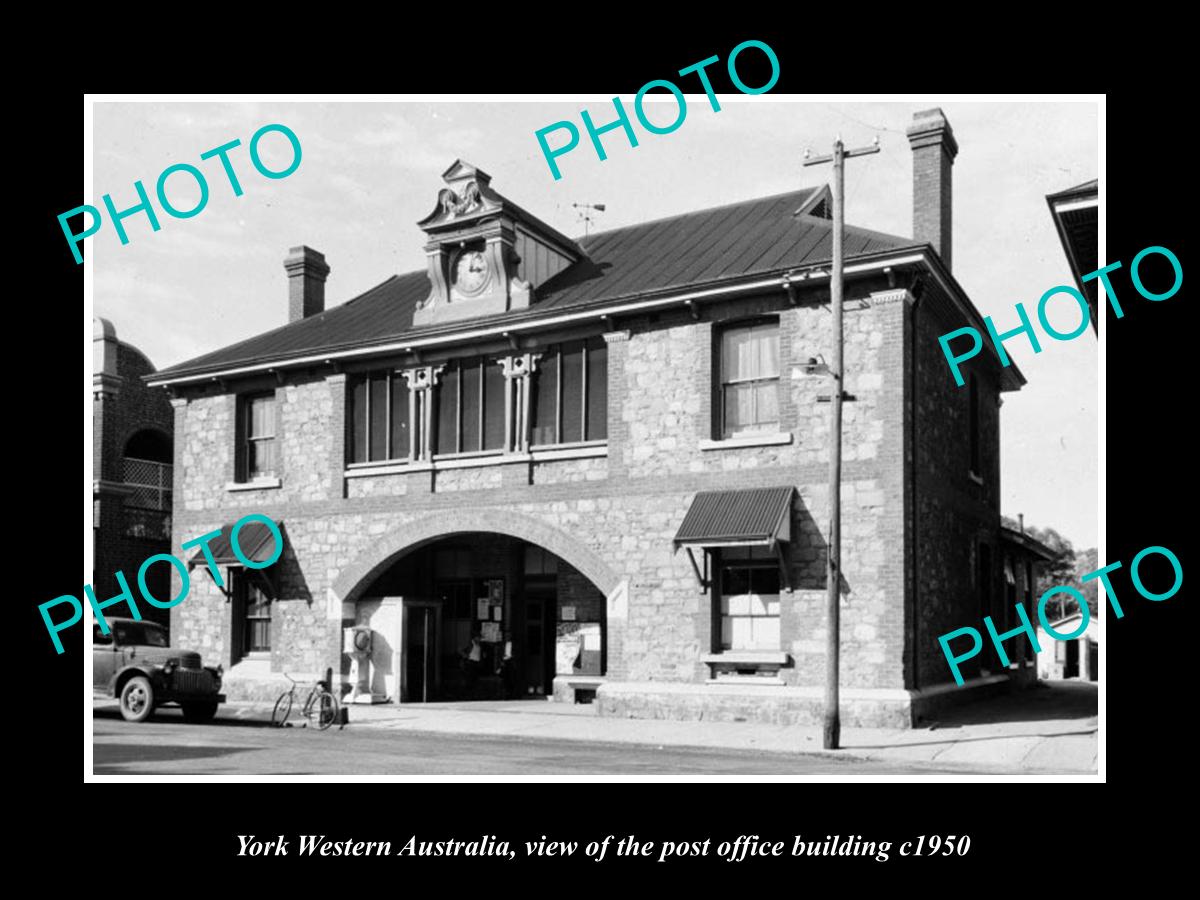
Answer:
(955, 512)
(623, 510)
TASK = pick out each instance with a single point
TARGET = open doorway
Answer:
(481, 617)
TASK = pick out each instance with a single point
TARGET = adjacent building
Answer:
(132, 481)
(606, 459)
(1076, 214)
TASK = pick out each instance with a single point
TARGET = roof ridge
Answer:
(696, 212)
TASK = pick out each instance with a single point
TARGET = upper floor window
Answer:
(470, 407)
(257, 445)
(973, 400)
(749, 372)
(379, 417)
(570, 393)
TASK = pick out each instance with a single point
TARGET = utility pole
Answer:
(833, 724)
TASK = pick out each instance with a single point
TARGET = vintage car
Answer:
(135, 664)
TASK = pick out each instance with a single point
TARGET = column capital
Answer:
(616, 337)
(422, 378)
(520, 365)
(893, 295)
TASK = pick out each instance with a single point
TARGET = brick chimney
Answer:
(934, 149)
(307, 271)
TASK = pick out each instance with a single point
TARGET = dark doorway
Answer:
(420, 652)
(485, 617)
(540, 596)
(1071, 664)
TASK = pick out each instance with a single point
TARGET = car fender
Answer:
(129, 672)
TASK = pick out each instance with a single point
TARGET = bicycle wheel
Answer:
(326, 710)
(283, 709)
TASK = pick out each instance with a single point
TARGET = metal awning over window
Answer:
(758, 517)
(254, 540)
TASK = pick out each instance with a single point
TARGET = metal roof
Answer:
(758, 515)
(254, 540)
(704, 247)
(1026, 542)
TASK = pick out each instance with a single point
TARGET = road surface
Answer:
(167, 745)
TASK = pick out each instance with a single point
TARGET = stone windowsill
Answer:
(260, 484)
(748, 680)
(252, 665)
(748, 440)
(539, 453)
(746, 658)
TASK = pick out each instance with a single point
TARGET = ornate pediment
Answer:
(466, 196)
(485, 254)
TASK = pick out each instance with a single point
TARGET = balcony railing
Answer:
(148, 503)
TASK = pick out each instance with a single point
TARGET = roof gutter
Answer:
(634, 303)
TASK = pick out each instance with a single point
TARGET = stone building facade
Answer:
(132, 429)
(608, 460)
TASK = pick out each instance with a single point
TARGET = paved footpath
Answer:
(1047, 730)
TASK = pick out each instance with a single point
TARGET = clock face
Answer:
(470, 271)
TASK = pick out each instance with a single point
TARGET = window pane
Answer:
(739, 407)
(726, 633)
(378, 425)
(743, 637)
(447, 418)
(572, 393)
(261, 458)
(257, 602)
(737, 355)
(740, 604)
(765, 580)
(766, 337)
(262, 417)
(734, 581)
(400, 440)
(471, 389)
(597, 391)
(764, 633)
(358, 418)
(493, 406)
(766, 403)
(545, 387)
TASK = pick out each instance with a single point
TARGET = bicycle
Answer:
(319, 703)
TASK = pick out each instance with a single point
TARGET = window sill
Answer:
(748, 680)
(747, 658)
(256, 485)
(540, 453)
(748, 440)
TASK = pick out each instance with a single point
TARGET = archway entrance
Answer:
(479, 616)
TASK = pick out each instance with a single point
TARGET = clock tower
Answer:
(485, 254)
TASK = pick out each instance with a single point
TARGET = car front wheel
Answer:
(199, 712)
(137, 699)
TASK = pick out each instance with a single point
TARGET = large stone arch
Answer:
(357, 576)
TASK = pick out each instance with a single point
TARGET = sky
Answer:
(371, 170)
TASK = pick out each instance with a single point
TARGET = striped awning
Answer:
(254, 540)
(754, 517)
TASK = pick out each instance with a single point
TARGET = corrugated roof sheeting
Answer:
(254, 539)
(750, 515)
(701, 247)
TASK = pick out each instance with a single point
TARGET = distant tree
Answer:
(1061, 570)
(1086, 562)
(1066, 568)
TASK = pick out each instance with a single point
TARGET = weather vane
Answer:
(586, 210)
